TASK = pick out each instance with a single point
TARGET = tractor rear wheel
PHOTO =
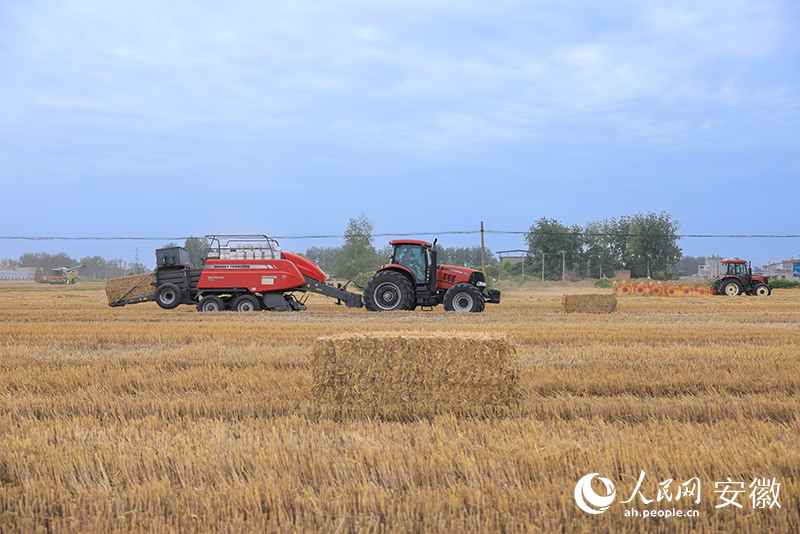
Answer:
(464, 297)
(246, 303)
(168, 296)
(211, 303)
(762, 290)
(388, 291)
(732, 288)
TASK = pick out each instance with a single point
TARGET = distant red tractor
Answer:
(413, 278)
(739, 279)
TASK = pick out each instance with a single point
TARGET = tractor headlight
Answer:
(480, 284)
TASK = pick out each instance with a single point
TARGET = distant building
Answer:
(780, 271)
(711, 269)
(30, 270)
(512, 256)
(8, 274)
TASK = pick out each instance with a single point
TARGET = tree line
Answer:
(645, 244)
(97, 267)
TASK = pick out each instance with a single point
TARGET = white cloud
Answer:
(508, 65)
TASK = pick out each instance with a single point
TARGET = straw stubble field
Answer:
(140, 419)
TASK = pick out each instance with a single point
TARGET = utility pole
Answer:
(543, 255)
(563, 266)
(483, 253)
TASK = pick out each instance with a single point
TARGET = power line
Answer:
(412, 234)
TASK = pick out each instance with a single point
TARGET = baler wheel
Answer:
(246, 303)
(168, 296)
(211, 303)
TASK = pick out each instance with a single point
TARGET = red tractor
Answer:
(412, 278)
(739, 279)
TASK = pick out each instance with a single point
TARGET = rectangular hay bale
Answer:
(589, 303)
(414, 372)
(117, 287)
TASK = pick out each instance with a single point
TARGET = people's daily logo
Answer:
(588, 500)
(675, 499)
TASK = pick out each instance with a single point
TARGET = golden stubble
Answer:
(140, 419)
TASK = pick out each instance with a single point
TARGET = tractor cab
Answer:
(414, 256)
(736, 268)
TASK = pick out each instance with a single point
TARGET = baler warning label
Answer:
(267, 280)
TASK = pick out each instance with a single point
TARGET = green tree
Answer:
(95, 267)
(549, 237)
(8, 263)
(653, 243)
(136, 268)
(464, 256)
(358, 255)
(690, 263)
(47, 262)
(325, 257)
(510, 269)
(597, 252)
(606, 246)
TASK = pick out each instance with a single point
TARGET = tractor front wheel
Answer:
(388, 291)
(732, 288)
(463, 298)
(246, 303)
(762, 290)
(168, 296)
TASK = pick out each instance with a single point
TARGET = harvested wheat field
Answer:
(138, 419)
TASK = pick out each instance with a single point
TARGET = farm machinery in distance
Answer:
(251, 273)
(738, 279)
(60, 275)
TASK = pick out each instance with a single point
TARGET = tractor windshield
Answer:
(412, 257)
(737, 269)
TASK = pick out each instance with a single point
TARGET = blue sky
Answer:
(177, 118)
